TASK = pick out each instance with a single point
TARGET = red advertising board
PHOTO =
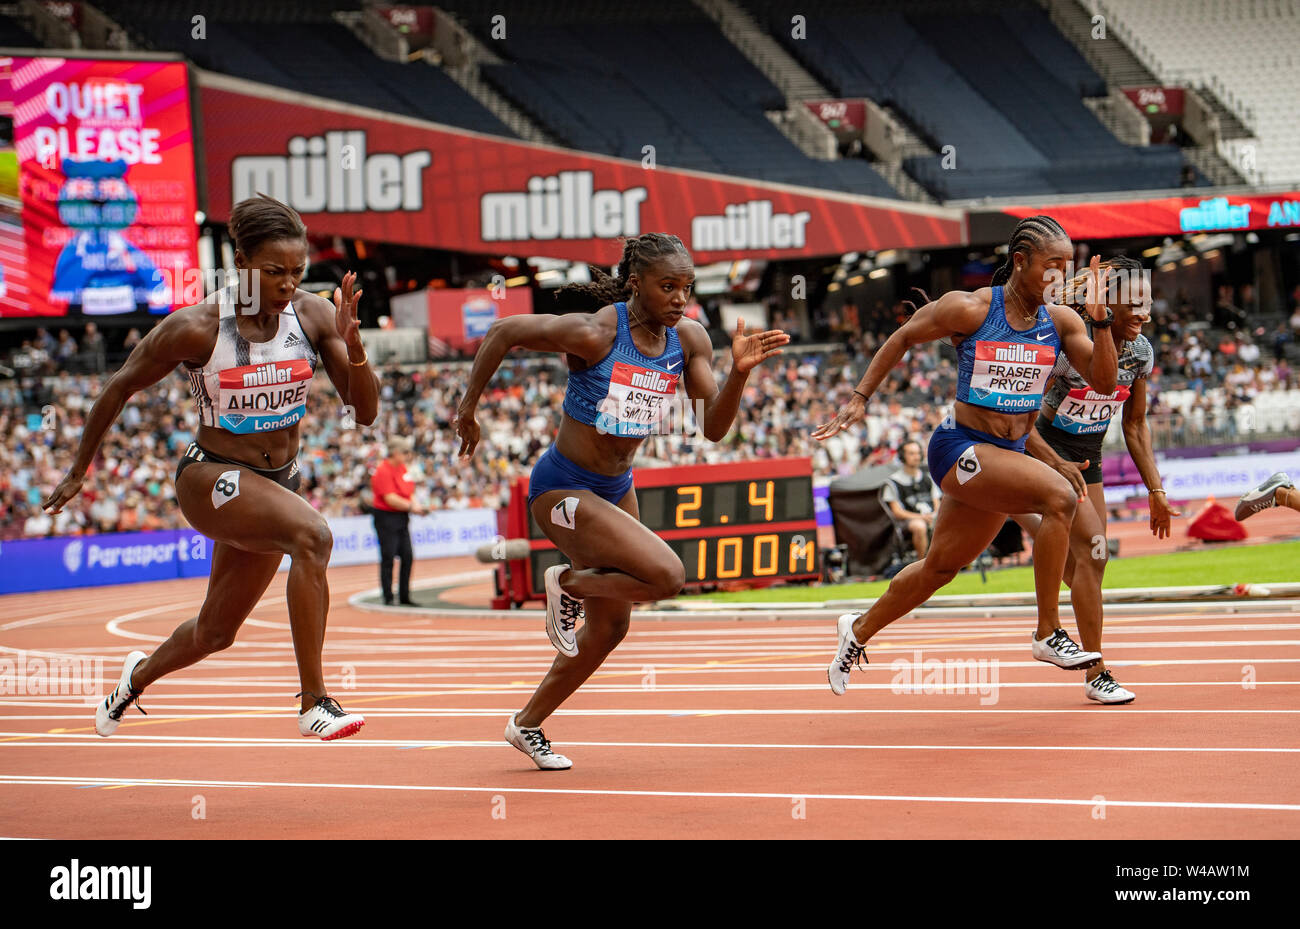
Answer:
(1171, 215)
(1152, 101)
(843, 117)
(398, 180)
(100, 213)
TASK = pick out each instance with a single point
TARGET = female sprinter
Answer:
(1068, 436)
(250, 352)
(624, 362)
(1007, 344)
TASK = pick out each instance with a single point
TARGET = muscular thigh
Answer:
(595, 533)
(242, 508)
(998, 480)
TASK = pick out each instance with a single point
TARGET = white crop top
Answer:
(249, 387)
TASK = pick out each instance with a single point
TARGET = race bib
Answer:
(637, 399)
(1083, 411)
(1009, 376)
(264, 397)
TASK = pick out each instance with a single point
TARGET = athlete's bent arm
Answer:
(1137, 436)
(747, 351)
(956, 312)
(338, 340)
(181, 337)
(1096, 359)
(575, 334)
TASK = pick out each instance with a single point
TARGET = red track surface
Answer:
(705, 728)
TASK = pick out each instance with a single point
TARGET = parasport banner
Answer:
(356, 172)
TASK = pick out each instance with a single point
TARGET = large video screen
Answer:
(97, 195)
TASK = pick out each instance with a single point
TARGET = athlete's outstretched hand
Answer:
(345, 311)
(750, 350)
(1161, 513)
(1096, 290)
(467, 429)
(852, 412)
(68, 488)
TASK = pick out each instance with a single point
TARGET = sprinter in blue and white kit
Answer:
(625, 361)
(250, 353)
(1007, 343)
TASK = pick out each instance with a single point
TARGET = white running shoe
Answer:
(1262, 497)
(1105, 689)
(850, 653)
(535, 745)
(108, 712)
(329, 721)
(1059, 649)
(562, 614)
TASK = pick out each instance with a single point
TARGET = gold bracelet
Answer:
(365, 358)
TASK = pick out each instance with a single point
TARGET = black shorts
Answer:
(289, 477)
(1073, 448)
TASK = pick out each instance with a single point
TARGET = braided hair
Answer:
(639, 253)
(1076, 288)
(1031, 233)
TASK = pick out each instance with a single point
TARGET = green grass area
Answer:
(1228, 564)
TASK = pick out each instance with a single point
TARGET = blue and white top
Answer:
(1003, 369)
(626, 393)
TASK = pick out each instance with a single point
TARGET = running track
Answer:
(695, 728)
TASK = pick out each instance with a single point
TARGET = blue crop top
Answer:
(1002, 369)
(626, 393)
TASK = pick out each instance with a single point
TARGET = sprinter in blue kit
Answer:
(625, 360)
(1007, 342)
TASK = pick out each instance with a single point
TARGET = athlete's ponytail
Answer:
(639, 253)
(1031, 233)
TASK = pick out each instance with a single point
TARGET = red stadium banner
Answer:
(1169, 215)
(356, 173)
(843, 117)
(97, 195)
(1152, 101)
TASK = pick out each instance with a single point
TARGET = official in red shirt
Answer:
(393, 505)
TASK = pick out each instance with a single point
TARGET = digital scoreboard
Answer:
(726, 522)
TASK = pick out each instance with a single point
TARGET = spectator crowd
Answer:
(130, 484)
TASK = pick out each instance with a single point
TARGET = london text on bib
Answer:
(1009, 376)
(264, 397)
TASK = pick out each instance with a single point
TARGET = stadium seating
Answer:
(661, 75)
(1258, 67)
(1017, 128)
(316, 55)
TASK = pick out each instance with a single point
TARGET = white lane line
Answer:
(48, 739)
(40, 781)
(225, 711)
(455, 689)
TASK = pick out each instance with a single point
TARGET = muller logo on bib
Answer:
(267, 374)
